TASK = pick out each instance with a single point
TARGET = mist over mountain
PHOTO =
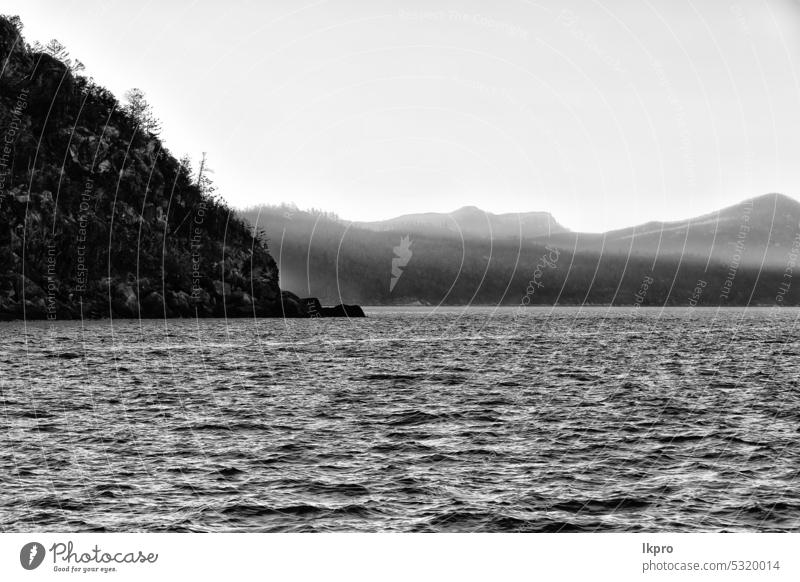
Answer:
(759, 230)
(740, 255)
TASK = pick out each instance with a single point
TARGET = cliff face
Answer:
(98, 219)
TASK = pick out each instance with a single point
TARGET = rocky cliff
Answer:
(98, 219)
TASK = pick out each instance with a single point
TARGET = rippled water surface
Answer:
(411, 420)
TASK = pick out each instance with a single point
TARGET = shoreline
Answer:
(649, 308)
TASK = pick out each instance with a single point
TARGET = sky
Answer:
(606, 114)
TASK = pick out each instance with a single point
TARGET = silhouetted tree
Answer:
(141, 111)
(59, 52)
(186, 166)
(204, 181)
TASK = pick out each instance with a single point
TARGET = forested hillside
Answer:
(97, 218)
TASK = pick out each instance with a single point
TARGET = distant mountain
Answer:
(472, 222)
(720, 263)
(756, 231)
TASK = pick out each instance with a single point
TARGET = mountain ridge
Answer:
(472, 221)
(763, 226)
(320, 254)
(782, 201)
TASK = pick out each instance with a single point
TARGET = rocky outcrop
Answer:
(312, 308)
(343, 310)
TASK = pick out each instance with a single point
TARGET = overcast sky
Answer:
(606, 114)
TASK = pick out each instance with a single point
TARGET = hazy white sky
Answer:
(604, 113)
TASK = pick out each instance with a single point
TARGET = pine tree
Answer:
(204, 181)
(57, 50)
(185, 167)
(141, 111)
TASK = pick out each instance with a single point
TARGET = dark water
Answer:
(411, 420)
